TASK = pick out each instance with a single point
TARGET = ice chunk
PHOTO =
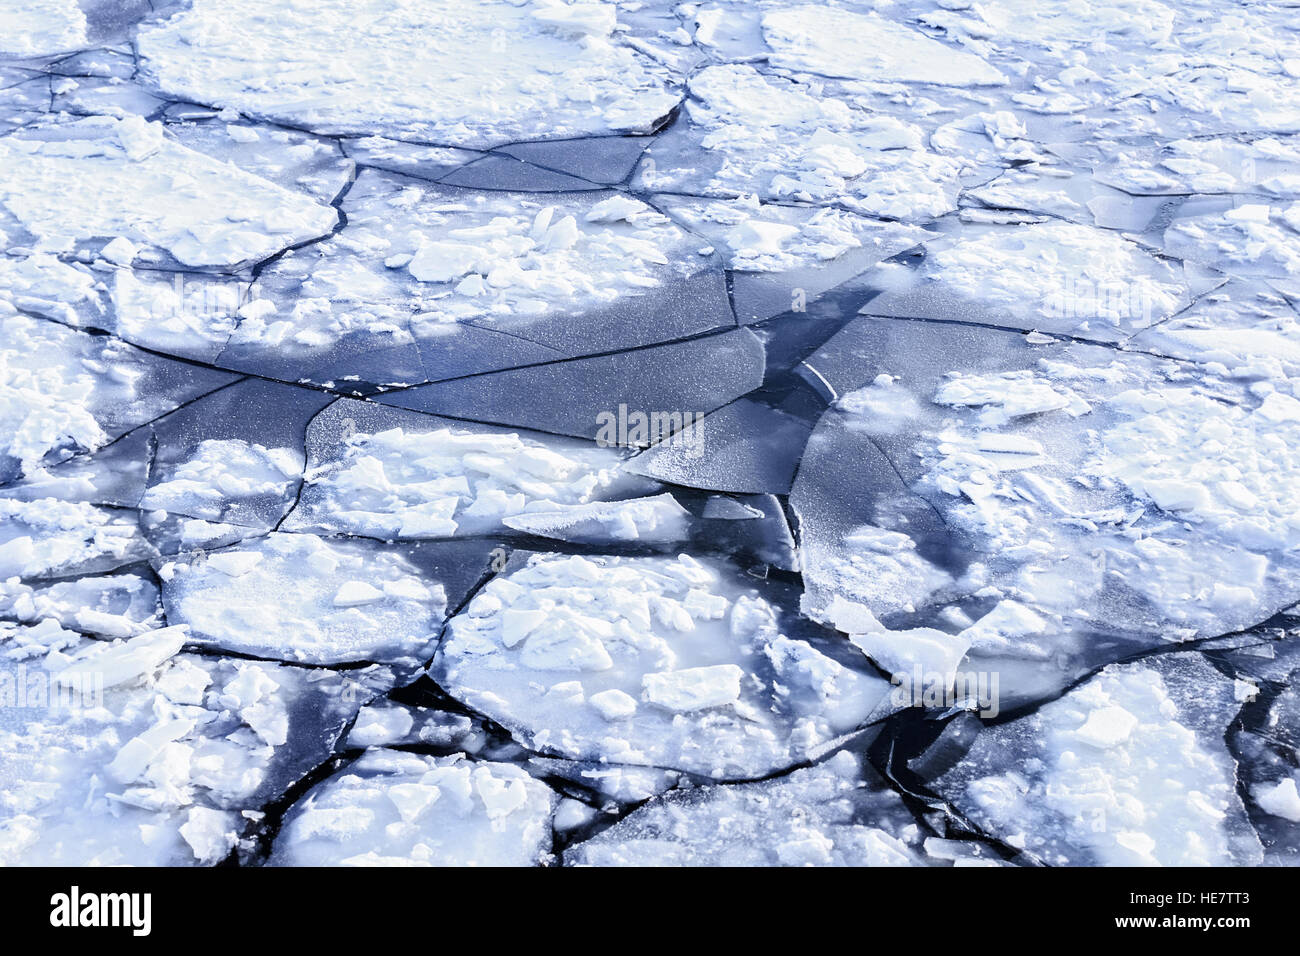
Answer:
(121, 663)
(305, 600)
(1280, 799)
(694, 688)
(392, 808)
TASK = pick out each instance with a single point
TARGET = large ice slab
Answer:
(434, 282)
(598, 397)
(654, 661)
(303, 598)
(215, 215)
(483, 73)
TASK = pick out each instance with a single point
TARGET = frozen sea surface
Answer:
(535, 432)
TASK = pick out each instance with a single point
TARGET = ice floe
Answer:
(653, 661)
(1128, 769)
(302, 598)
(391, 808)
(215, 215)
(499, 72)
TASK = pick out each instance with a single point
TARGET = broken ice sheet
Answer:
(235, 456)
(394, 808)
(426, 269)
(1127, 769)
(655, 661)
(128, 753)
(577, 397)
(391, 473)
(63, 392)
(499, 72)
(560, 212)
(1086, 500)
(216, 215)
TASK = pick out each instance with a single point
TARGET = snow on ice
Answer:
(970, 336)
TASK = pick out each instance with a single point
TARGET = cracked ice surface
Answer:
(565, 432)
